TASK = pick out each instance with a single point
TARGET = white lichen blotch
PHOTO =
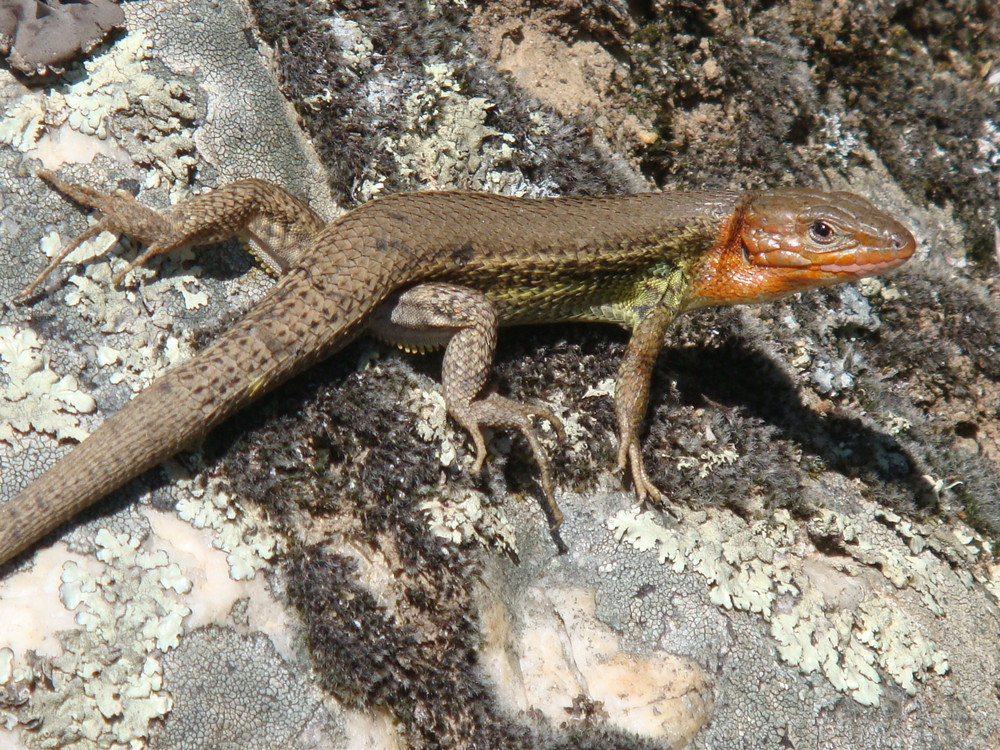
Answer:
(88, 250)
(707, 461)
(828, 614)
(447, 143)
(106, 688)
(115, 89)
(460, 515)
(35, 398)
(432, 425)
(355, 46)
(239, 532)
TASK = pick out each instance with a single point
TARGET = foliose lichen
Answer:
(35, 397)
(106, 688)
(446, 142)
(113, 99)
(821, 611)
(240, 531)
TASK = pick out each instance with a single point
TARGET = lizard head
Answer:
(789, 240)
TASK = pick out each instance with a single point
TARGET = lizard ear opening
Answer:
(735, 238)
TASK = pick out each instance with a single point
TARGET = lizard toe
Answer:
(504, 413)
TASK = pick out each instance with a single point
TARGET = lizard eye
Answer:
(821, 232)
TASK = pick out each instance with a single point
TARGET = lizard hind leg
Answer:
(277, 224)
(465, 321)
(123, 214)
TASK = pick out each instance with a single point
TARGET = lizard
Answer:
(445, 269)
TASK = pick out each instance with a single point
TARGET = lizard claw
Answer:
(480, 442)
(498, 411)
(630, 456)
(122, 214)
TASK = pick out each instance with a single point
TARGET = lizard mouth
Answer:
(863, 269)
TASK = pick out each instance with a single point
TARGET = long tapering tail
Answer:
(298, 323)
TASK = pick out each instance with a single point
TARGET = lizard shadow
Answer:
(738, 376)
(220, 261)
(753, 392)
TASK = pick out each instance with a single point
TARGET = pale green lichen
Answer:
(96, 286)
(118, 315)
(895, 424)
(432, 424)
(847, 645)
(817, 610)
(192, 299)
(460, 515)
(106, 688)
(707, 461)
(36, 398)
(446, 142)
(104, 97)
(355, 46)
(24, 123)
(969, 554)
(107, 356)
(604, 387)
(903, 571)
(240, 531)
(355, 52)
(802, 354)
(16, 683)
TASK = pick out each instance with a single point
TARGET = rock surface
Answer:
(326, 563)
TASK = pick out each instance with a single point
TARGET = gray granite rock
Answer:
(825, 578)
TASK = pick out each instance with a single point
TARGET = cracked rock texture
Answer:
(324, 572)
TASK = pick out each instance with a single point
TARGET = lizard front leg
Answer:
(634, 375)
(276, 224)
(465, 321)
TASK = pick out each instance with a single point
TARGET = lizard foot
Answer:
(502, 412)
(629, 455)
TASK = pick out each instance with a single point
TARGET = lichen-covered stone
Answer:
(231, 689)
(827, 579)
